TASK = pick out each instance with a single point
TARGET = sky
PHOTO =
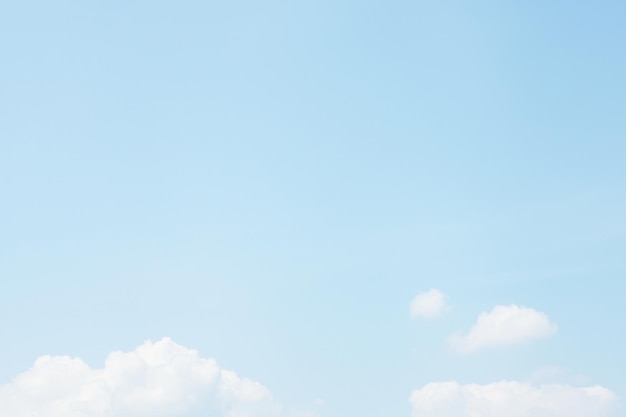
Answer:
(312, 209)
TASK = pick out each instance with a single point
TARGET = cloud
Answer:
(428, 305)
(512, 399)
(155, 379)
(504, 326)
(557, 374)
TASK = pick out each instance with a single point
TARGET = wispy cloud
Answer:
(428, 305)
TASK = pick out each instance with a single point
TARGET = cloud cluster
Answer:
(512, 399)
(428, 305)
(156, 379)
(504, 326)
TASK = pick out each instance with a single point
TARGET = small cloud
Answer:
(556, 375)
(428, 305)
(512, 399)
(319, 402)
(504, 326)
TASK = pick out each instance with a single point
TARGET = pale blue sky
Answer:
(271, 183)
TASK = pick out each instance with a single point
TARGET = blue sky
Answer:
(272, 183)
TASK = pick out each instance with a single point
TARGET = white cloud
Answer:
(428, 305)
(504, 326)
(512, 399)
(156, 379)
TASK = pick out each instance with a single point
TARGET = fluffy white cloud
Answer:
(156, 379)
(512, 399)
(428, 305)
(504, 326)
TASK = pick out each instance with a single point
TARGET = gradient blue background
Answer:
(272, 182)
